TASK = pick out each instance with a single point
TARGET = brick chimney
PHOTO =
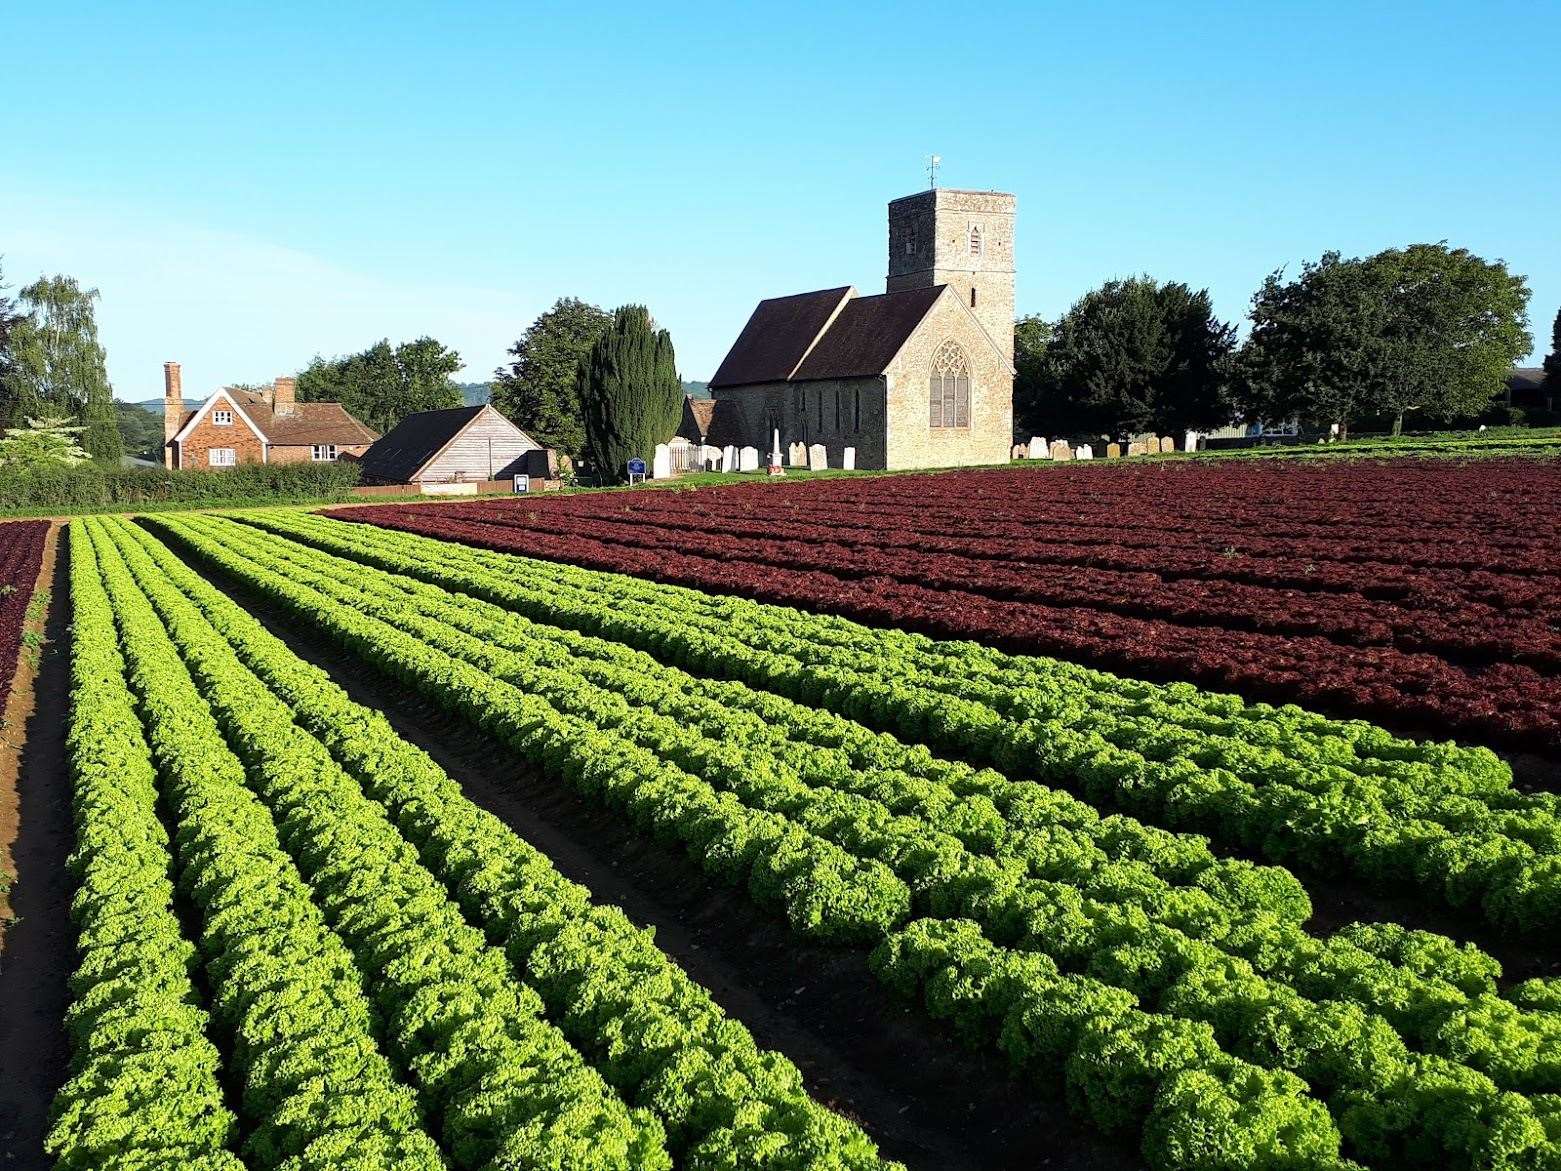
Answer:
(284, 391)
(173, 408)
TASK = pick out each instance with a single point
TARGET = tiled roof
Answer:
(777, 337)
(306, 423)
(867, 335)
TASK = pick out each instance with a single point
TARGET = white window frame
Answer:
(328, 448)
(222, 418)
(221, 457)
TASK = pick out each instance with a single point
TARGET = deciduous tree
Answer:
(630, 393)
(42, 441)
(1427, 329)
(1134, 355)
(539, 390)
(55, 366)
(384, 384)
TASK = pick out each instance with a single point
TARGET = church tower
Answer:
(964, 239)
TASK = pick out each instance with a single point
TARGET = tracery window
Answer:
(948, 394)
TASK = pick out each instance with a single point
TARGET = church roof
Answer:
(867, 334)
(778, 336)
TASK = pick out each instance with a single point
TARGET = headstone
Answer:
(748, 459)
(661, 463)
(729, 458)
(1190, 441)
(818, 458)
(775, 450)
(1085, 451)
(1038, 447)
(710, 458)
(1020, 451)
(1061, 450)
(1167, 444)
(797, 455)
(848, 459)
(1113, 451)
(1134, 447)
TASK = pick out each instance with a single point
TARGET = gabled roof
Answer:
(1526, 377)
(778, 337)
(716, 422)
(412, 443)
(867, 334)
(304, 424)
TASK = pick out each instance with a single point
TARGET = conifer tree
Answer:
(630, 393)
(1553, 361)
(55, 366)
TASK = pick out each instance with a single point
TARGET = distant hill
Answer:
(696, 389)
(475, 393)
(155, 405)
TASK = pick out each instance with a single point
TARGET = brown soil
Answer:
(37, 952)
(926, 1099)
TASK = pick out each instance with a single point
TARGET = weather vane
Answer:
(932, 169)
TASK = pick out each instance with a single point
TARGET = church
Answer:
(918, 376)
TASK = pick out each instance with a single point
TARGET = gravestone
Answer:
(1167, 444)
(748, 459)
(1020, 451)
(661, 463)
(1190, 441)
(1061, 451)
(797, 455)
(710, 458)
(848, 459)
(1085, 452)
(1113, 451)
(729, 458)
(1038, 447)
(818, 458)
(1134, 447)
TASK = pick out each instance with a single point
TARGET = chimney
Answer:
(173, 408)
(283, 391)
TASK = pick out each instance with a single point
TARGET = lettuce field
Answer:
(437, 842)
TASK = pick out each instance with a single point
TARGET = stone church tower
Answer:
(963, 239)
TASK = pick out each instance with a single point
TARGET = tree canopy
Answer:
(384, 384)
(8, 319)
(1133, 355)
(1553, 360)
(55, 367)
(1428, 329)
(51, 440)
(630, 393)
(539, 391)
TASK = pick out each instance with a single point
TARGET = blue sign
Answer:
(636, 466)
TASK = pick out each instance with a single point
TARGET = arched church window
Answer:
(975, 239)
(948, 391)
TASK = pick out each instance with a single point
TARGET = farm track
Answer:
(38, 949)
(924, 1098)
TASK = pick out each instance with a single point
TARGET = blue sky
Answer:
(249, 185)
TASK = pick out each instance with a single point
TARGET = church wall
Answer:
(794, 408)
(912, 443)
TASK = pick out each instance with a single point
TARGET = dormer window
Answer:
(975, 239)
(222, 418)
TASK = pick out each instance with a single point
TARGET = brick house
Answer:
(247, 427)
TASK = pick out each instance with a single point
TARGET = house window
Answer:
(220, 457)
(322, 452)
(222, 418)
(948, 394)
(975, 239)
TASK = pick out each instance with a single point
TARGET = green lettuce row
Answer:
(509, 1089)
(966, 669)
(144, 1090)
(1118, 1066)
(313, 1079)
(436, 674)
(1430, 826)
(655, 1034)
(1146, 951)
(825, 892)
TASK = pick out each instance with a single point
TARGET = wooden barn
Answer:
(462, 445)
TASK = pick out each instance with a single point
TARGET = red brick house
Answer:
(247, 427)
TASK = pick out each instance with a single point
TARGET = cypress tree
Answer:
(630, 393)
